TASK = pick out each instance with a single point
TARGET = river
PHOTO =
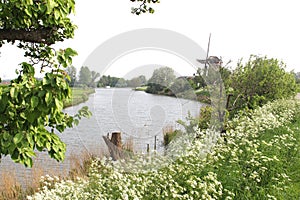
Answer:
(138, 115)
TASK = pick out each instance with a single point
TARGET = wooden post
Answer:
(155, 143)
(114, 145)
(116, 139)
(148, 148)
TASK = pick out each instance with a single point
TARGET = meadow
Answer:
(79, 95)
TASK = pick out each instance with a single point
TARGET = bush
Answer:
(259, 81)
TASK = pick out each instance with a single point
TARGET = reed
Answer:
(11, 188)
(169, 133)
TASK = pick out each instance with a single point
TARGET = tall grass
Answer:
(169, 133)
(128, 145)
(13, 189)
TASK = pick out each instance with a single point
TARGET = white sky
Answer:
(239, 28)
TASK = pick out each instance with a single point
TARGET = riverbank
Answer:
(79, 95)
(202, 95)
(260, 155)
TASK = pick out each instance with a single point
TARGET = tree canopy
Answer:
(31, 112)
(31, 109)
(161, 79)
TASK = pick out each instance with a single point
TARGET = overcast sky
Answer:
(238, 27)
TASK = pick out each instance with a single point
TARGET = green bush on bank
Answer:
(253, 163)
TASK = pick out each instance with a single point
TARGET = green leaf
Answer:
(48, 98)
(11, 148)
(22, 115)
(28, 162)
(18, 138)
(70, 52)
(34, 101)
(13, 92)
(3, 103)
(48, 146)
(6, 135)
(32, 116)
(30, 140)
(59, 104)
(50, 5)
(28, 12)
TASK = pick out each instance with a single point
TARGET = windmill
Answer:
(211, 61)
(216, 89)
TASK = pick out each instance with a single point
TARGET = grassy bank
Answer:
(258, 159)
(79, 95)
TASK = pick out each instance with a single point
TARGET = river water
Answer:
(139, 116)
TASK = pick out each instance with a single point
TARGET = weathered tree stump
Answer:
(114, 145)
(116, 139)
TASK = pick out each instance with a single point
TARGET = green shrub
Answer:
(259, 81)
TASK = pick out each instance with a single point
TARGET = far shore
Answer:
(79, 95)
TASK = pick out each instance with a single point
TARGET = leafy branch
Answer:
(143, 6)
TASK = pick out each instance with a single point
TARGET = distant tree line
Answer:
(121, 82)
(88, 78)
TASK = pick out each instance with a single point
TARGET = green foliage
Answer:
(111, 81)
(31, 114)
(87, 77)
(197, 81)
(143, 6)
(180, 85)
(170, 134)
(137, 81)
(71, 71)
(160, 80)
(205, 117)
(259, 81)
(79, 95)
(50, 15)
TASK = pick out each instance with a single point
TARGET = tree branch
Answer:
(42, 35)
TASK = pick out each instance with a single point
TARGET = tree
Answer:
(121, 83)
(258, 81)
(111, 81)
(161, 79)
(137, 81)
(180, 85)
(31, 109)
(45, 22)
(87, 77)
(72, 73)
(94, 76)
